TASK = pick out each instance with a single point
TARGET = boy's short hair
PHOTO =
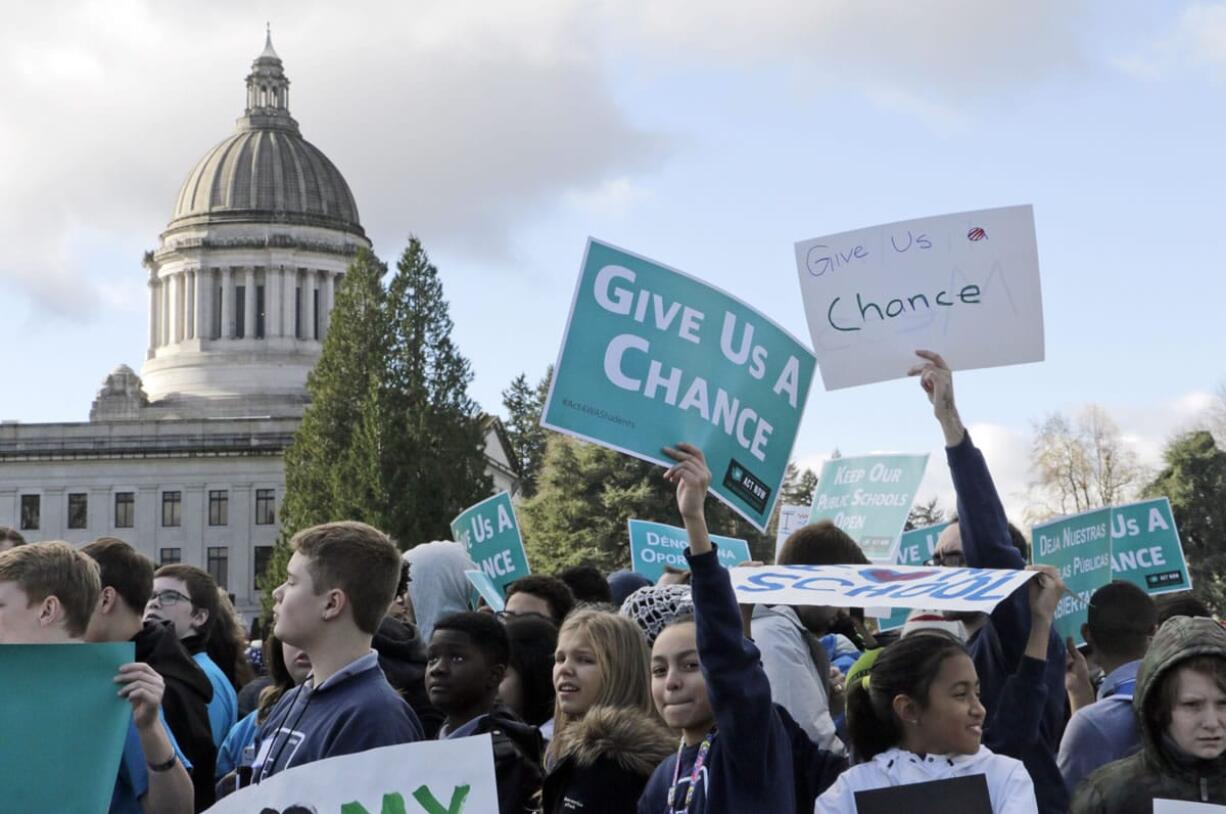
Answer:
(553, 590)
(123, 568)
(1121, 618)
(587, 584)
(201, 590)
(820, 543)
(484, 630)
(357, 559)
(55, 569)
(10, 535)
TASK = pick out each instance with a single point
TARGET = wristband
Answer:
(165, 766)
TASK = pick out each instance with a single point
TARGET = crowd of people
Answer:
(607, 694)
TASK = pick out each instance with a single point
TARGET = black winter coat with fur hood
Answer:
(603, 762)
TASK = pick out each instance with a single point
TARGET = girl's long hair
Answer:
(624, 663)
(906, 667)
(282, 681)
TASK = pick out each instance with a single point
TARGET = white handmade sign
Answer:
(1180, 807)
(877, 586)
(790, 519)
(966, 285)
(427, 777)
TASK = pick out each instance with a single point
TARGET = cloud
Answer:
(1195, 40)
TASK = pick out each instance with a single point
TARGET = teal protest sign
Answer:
(869, 497)
(1080, 548)
(58, 694)
(652, 357)
(656, 545)
(487, 589)
(1145, 547)
(491, 533)
(916, 547)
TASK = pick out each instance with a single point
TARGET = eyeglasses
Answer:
(168, 598)
(950, 559)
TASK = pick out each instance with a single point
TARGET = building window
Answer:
(217, 329)
(172, 509)
(218, 564)
(78, 510)
(315, 315)
(263, 553)
(170, 556)
(240, 311)
(125, 510)
(31, 512)
(219, 507)
(259, 312)
(298, 312)
(265, 507)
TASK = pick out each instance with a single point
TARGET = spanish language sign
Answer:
(87, 709)
(427, 777)
(858, 586)
(965, 284)
(790, 519)
(487, 590)
(1080, 547)
(652, 357)
(656, 545)
(915, 547)
(869, 497)
(490, 532)
(1146, 549)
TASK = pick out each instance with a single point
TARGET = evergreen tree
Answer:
(585, 496)
(524, 404)
(1194, 479)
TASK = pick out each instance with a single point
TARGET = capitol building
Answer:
(185, 461)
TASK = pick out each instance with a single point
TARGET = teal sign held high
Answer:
(869, 497)
(652, 357)
(1145, 547)
(490, 532)
(1080, 548)
(654, 546)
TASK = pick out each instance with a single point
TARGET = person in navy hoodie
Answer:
(339, 583)
(739, 751)
(997, 642)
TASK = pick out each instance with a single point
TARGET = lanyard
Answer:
(703, 751)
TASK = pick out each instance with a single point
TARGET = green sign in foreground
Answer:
(652, 357)
(62, 725)
(490, 532)
(1080, 547)
(869, 497)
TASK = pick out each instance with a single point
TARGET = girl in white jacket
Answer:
(916, 717)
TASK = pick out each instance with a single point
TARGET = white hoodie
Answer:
(1009, 785)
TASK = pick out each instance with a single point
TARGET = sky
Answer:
(710, 136)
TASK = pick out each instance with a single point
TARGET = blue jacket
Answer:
(1029, 731)
(352, 711)
(760, 759)
(1103, 732)
(223, 709)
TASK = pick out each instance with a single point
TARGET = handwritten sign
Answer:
(652, 356)
(869, 497)
(790, 519)
(965, 284)
(858, 586)
(490, 532)
(653, 546)
(1080, 547)
(915, 547)
(427, 777)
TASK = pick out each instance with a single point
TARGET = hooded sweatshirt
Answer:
(1160, 770)
(437, 585)
(1009, 786)
(759, 759)
(185, 702)
(603, 762)
(402, 655)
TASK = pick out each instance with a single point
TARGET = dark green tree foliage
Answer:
(524, 405)
(391, 436)
(1194, 479)
(797, 490)
(587, 493)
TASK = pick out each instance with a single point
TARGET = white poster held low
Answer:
(966, 285)
(877, 586)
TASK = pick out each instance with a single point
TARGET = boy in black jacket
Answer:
(466, 661)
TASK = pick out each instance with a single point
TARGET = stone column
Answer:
(308, 304)
(189, 330)
(201, 318)
(154, 336)
(164, 316)
(227, 303)
(249, 303)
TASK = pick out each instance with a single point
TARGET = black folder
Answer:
(964, 795)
